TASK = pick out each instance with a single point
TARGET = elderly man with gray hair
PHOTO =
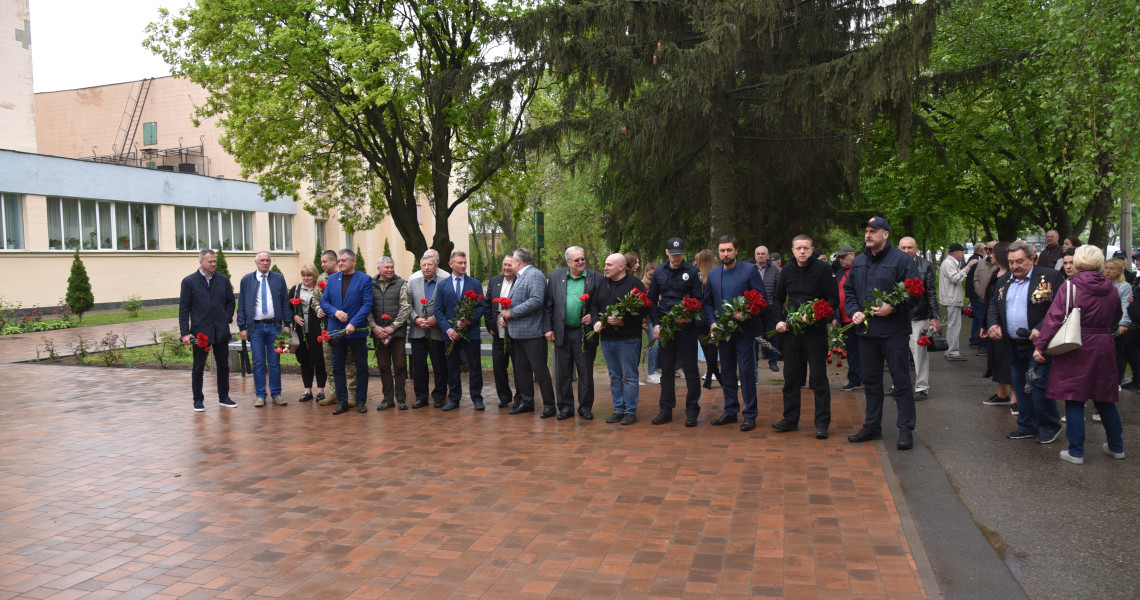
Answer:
(524, 322)
(426, 335)
(388, 322)
(569, 323)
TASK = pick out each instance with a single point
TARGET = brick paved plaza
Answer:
(111, 487)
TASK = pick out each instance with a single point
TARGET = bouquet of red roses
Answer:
(727, 322)
(204, 342)
(463, 312)
(688, 308)
(807, 315)
(504, 304)
(629, 304)
(899, 295)
(968, 311)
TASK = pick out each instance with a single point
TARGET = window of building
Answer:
(200, 228)
(150, 134)
(319, 233)
(12, 221)
(280, 232)
(101, 225)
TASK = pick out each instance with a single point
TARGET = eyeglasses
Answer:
(577, 260)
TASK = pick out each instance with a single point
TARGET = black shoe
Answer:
(918, 396)
(320, 396)
(385, 405)
(419, 404)
(889, 390)
(906, 440)
(522, 408)
(504, 404)
(665, 416)
(305, 397)
(784, 426)
(724, 419)
(852, 386)
(749, 424)
(865, 435)
(361, 408)
(586, 414)
(773, 367)
(629, 419)
(226, 402)
(690, 421)
(565, 414)
(438, 403)
(479, 405)
(981, 352)
(1048, 437)
(821, 433)
(1019, 435)
(401, 406)
(340, 409)
(199, 406)
(548, 412)
(708, 384)
(450, 406)
(615, 418)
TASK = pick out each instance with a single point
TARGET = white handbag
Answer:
(1068, 336)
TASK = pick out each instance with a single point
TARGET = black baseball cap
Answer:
(675, 246)
(956, 247)
(877, 223)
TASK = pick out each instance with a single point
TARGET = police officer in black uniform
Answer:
(672, 282)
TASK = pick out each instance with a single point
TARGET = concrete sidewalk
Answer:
(22, 347)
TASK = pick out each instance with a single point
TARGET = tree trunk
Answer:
(1103, 203)
(722, 182)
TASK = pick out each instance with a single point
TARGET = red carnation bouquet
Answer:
(463, 312)
(322, 285)
(688, 308)
(504, 304)
(384, 321)
(295, 301)
(629, 304)
(728, 321)
(581, 309)
(204, 342)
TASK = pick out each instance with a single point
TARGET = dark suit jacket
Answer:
(206, 309)
(556, 299)
(357, 302)
(282, 312)
(447, 303)
(1040, 278)
(747, 277)
(490, 309)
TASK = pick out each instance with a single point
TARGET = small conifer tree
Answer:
(317, 256)
(360, 260)
(79, 297)
(223, 266)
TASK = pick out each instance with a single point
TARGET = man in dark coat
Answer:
(672, 283)
(569, 322)
(500, 287)
(206, 306)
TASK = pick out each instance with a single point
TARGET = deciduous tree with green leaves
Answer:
(379, 102)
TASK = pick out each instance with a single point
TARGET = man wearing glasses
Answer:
(983, 273)
(568, 323)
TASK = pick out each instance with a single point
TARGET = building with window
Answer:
(121, 173)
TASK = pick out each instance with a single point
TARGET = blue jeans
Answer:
(621, 361)
(1075, 426)
(261, 336)
(1035, 413)
(653, 351)
(976, 322)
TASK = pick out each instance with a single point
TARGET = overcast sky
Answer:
(83, 43)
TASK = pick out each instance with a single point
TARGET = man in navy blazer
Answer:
(206, 306)
(348, 302)
(463, 336)
(730, 280)
(262, 315)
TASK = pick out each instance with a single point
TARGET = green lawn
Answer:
(114, 317)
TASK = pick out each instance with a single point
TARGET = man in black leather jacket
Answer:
(923, 315)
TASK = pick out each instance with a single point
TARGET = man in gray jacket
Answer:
(425, 335)
(524, 323)
(923, 314)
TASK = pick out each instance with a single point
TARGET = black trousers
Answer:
(800, 351)
(393, 368)
(312, 359)
(530, 367)
(359, 348)
(681, 351)
(571, 360)
(469, 349)
(895, 351)
(221, 352)
(500, 363)
(422, 348)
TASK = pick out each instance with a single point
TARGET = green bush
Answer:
(133, 304)
(223, 266)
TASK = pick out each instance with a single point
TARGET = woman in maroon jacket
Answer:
(1078, 375)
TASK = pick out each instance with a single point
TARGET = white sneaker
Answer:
(1096, 415)
(654, 378)
(1076, 460)
(1109, 451)
(1063, 419)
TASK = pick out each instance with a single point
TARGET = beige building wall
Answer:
(17, 100)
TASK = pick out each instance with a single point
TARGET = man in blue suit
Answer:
(728, 281)
(348, 302)
(206, 306)
(262, 315)
(461, 334)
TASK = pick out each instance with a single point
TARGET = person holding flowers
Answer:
(617, 310)
(569, 291)
(309, 353)
(347, 301)
(262, 315)
(205, 311)
(675, 291)
(425, 334)
(328, 267)
(883, 329)
(497, 299)
(391, 305)
(809, 286)
(458, 309)
(726, 283)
